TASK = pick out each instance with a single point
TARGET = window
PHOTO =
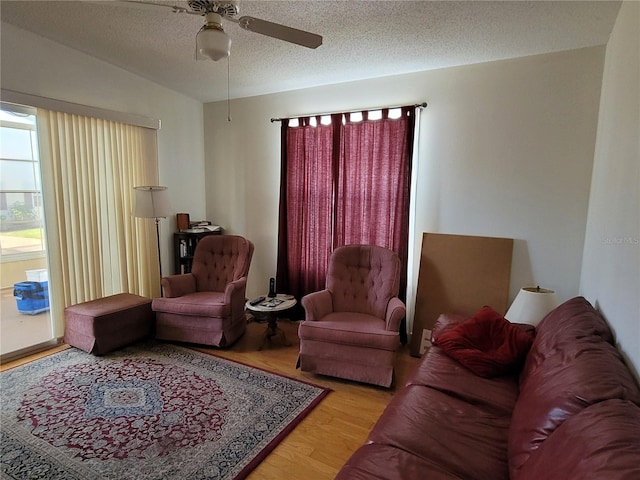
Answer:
(21, 212)
(345, 180)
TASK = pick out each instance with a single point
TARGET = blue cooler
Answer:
(31, 297)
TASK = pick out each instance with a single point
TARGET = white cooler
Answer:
(39, 275)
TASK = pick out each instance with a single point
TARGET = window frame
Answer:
(36, 194)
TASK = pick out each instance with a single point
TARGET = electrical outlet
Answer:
(425, 341)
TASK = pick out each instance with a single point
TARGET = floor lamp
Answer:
(153, 202)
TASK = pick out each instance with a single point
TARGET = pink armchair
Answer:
(351, 329)
(206, 306)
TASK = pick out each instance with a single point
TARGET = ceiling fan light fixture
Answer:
(212, 41)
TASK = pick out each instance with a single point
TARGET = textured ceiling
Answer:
(362, 39)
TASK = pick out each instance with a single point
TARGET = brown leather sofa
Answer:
(571, 412)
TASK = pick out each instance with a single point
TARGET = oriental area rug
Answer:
(151, 411)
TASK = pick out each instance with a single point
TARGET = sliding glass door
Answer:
(26, 320)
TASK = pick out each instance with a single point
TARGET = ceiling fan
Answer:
(214, 43)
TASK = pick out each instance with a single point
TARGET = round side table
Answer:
(269, 308)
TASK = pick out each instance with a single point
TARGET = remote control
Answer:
(256, 301)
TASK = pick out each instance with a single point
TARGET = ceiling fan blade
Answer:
(144, 5)
(281, 32)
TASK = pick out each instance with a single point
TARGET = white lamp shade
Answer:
(531, 305)
(213, 43)
(151, 202)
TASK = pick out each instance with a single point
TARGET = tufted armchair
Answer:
(351, 329)
(206, 306)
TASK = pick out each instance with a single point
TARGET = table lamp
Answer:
(531, 305)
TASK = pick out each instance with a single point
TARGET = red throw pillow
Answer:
(487, 344)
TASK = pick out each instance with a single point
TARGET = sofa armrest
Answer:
(396, 311)
(178, 285)
(317, 305)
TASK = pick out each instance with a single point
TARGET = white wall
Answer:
(506, 150)
(31, 64)
(611, 265)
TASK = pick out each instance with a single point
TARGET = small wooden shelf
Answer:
(184, 245)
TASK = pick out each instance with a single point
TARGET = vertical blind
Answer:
(96, 247)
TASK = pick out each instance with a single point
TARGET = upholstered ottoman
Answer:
(102, 325)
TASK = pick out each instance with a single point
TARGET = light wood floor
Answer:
(324, 440)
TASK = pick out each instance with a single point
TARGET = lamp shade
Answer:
(211, 40)
(531, 305)
(151, 202)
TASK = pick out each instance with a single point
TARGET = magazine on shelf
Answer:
(272, 302)
(204, 228)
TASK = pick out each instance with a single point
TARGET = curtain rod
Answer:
(417, 105)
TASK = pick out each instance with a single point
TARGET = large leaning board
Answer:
(459, 274)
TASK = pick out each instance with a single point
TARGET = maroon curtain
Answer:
(347, 183)
(306, 191)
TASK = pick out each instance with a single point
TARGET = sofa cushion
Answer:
(574, 319)
(374, 461)
(443, 373)
(566, 372)
(467, 440)
(600, 442)
(487, 344)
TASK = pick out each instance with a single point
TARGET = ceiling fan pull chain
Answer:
(228, 83)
